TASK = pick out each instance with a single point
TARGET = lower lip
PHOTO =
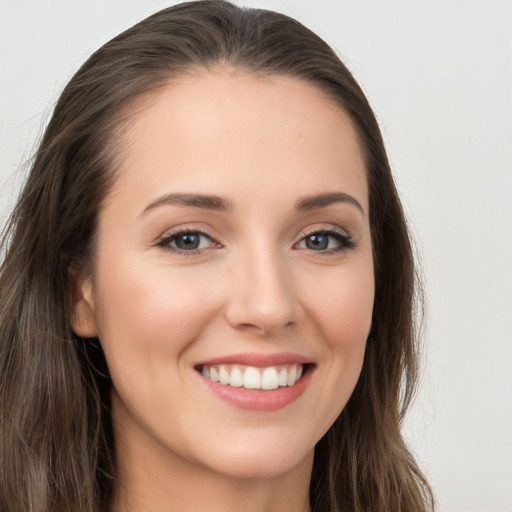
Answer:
(259, 400)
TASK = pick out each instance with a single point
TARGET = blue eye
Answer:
(318, 242)
(186, 241)
(326, 240)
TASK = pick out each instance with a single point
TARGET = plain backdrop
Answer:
(439, 77)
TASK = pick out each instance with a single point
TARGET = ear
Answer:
(83, 320)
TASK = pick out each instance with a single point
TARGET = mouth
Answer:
(257, 382)
(264, 378)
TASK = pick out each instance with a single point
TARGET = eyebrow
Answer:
(212, 202)
(318, 201)
(208, 202)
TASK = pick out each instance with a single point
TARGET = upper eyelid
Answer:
(324, 228)
(334, 233)
(166, 239)
(186, 229)
(318, 228)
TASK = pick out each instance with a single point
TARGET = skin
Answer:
(254, 286)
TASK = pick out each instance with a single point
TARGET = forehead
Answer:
(220, 131)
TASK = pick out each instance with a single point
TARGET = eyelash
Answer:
(345, 241)
(166, 240)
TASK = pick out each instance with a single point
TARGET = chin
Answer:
(262, 466)
(259, 458)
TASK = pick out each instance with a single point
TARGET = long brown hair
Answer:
(57, 447)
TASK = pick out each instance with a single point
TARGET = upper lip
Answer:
(258, 360)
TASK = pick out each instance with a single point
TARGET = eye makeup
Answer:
(189, 241)
(319, 240)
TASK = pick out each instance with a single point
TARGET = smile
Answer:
(251, 377)
(257, 382)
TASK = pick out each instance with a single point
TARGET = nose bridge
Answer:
(263, 297)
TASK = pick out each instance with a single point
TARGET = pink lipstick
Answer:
(257, 382)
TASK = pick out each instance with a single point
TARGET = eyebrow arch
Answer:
(318, 201)
(205, 201)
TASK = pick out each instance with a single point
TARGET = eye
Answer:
(330, 240)
(187, 241)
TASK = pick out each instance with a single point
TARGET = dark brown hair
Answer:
(57, 447)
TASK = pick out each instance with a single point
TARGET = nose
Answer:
(262, 296)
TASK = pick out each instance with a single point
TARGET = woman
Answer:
(208, 288)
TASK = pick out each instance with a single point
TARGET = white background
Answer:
(439, 76)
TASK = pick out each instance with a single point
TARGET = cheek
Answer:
(149, 313)
(344, 306)
(343, 315)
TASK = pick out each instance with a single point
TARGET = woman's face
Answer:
(233, 253)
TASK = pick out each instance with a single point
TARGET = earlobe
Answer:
(83, 320)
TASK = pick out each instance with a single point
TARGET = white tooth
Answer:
(292, 374)
(299, 373)
(204, 372)
(252, 378)
(214, 375)
(269, 379)
(236, 379)
(283, 377)
(223, 375)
